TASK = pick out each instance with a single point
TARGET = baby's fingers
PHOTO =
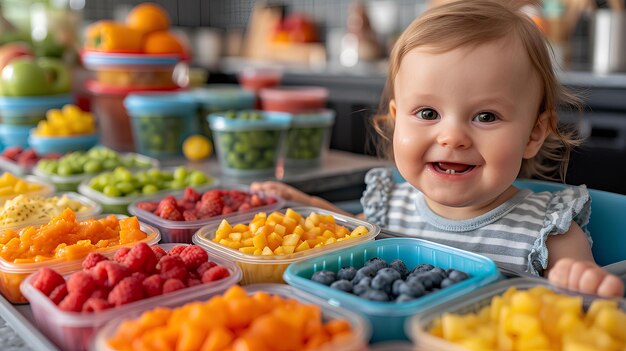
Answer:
(611, 286)
(559, 274)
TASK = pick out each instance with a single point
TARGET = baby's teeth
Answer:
(450, 171)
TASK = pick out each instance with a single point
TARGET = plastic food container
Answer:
(70, 183)
(249, 147)
(417, 327)
(217, 98)
(293, 99)
(360, 328)
(161, 121)
(308, 138)
(44, 145)
(92, 210)
(256, 79)
(7, 165)
(270, 269)
(120, 204)
(46, 189)
(137, 71)
(28, 111)
(183, 231)
(14, 135)
(12, 274)
(75, 331)
(388, 318)
(107, 105)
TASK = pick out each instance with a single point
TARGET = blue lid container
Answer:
(222, 97)
(161, 121)
(96, 60)
(388, 318)
(30, 110)
(11, 135)
(44, 145)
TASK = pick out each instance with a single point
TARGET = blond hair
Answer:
(475, 22)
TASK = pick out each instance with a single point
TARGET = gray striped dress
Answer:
(513, 234)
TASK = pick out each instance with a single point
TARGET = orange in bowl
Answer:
(162, 42)
(148, 17)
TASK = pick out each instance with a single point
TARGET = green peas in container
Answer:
(307, 138)
(249, 142)
(161, 121)
(220, 98)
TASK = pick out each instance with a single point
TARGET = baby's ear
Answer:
(538, 134)
(392, 109)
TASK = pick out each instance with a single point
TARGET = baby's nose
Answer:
(454, 135)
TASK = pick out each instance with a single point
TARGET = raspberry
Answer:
(215, 273)
(190, 215)
(147, 206)
(120, 254)
(244, 207)
(173, 285)
(73, 302)
(109, 273)
(212, 195)
(271, 200)
(256, 201)
(194, 282)
(92, 259)
(167, 201)
(46, 280)
(128, 290)
(141, 258)
(171, 213)
(235, 198)
(191, 195)
(210, 207)
(141, 276)
(226, 210)
(58, 294)
(99, 294)
(81, 282)
(193, 256)
(176, 250)
(205, 266)
(95, 304)
(158, 252)
(153, 285)
(172, 267)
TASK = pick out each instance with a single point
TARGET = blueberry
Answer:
(375, 295)
(437, 277)
(395, 287)
(439, 271)
(399, 266)
(377, 262)
(424, 267)
(324, 277)
(364, 284)
(346, 273)
(458, 276)
(404, 298)
(412, 288)
(447, 282)
(367, 271)
(384, 278)
(343, 285)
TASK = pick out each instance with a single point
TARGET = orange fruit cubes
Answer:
(238, 321)
(283, 234)
(65, 237)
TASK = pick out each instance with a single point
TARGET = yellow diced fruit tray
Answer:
(527, 317)
(12, 186)
(264, 245)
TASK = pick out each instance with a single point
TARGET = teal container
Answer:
(388, 318)
(308, 138)
(14, 135)
(161, 122)
(218, 98)
(249, 142)
(28, 111)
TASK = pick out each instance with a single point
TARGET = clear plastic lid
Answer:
(321, 118)
(219, 121)
(156, 103)
(294, 93)
(204, 237)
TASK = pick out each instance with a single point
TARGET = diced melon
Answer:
(267, 251)
(291, 239)
(274, 240)
(303, 246)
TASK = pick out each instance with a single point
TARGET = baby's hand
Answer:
(586, 277)
(283, 190)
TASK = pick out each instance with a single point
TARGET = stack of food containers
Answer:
(309, 134)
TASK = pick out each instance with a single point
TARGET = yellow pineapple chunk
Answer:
(259, 240)
(289, 249)
(298, 230)
(235, 236)
(249, 250)
(240, 228)
(267, 251)
(358, 231)
(274, 240)
(279, 251)
(248, 242)
(291, 240)
(280, 229)
(293, 215)
(596, 307)
(454, 327)
(524, 302)
(303, 246)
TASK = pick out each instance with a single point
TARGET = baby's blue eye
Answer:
(427, 114)
(485, 117)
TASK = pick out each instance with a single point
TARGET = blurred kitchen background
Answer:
(342, 45)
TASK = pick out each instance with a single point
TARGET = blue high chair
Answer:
(607, 224)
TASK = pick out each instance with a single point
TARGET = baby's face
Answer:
(463, 122)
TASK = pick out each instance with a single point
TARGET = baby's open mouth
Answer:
(452, 168)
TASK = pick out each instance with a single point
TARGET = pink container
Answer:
(258, 78)
(293, 99)
(75, 331)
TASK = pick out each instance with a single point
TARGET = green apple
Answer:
(11, 51)
(57, 73)
(23, 77)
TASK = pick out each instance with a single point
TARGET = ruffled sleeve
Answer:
(375, 200)
(570, 204)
